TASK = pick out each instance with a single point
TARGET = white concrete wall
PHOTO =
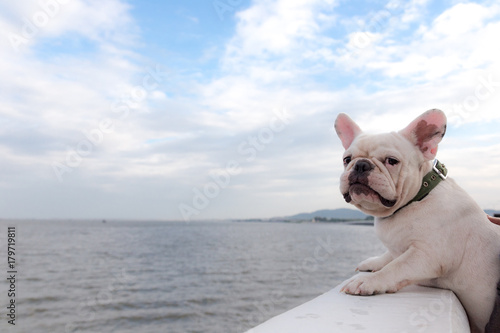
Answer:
(412, 309)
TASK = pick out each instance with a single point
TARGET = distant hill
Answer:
(341, 213)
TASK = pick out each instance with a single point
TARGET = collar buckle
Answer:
(440, 169)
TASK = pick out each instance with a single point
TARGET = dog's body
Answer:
(444, 240)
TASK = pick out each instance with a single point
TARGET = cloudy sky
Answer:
(225, 109)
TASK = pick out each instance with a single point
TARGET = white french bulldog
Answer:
(436, 235)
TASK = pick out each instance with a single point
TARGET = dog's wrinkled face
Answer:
(383, 172)
(376, 170)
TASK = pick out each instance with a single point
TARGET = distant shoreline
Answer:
(368, 222)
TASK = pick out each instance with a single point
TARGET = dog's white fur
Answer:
(444, 240)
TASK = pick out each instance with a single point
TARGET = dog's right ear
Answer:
(347, 129)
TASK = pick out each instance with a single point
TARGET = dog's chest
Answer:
(396, 235)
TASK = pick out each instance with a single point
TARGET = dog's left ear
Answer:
(426, 132)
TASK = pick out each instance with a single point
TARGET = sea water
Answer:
(175, 277)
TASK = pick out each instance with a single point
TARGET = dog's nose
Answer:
(363, 166)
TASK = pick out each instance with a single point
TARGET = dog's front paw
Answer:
(368, 284)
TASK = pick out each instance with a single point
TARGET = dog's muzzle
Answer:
(359, 184)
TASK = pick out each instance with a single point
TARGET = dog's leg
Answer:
(494, 323)
(375, 263)
(410, 267)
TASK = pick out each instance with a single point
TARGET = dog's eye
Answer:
(347, 160)
(392, 161)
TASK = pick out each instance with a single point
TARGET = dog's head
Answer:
(383, 172)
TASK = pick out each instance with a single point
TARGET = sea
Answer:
(174, 277)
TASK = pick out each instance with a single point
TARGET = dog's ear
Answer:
(346, 129)
(426, 132)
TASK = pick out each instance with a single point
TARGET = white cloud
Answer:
(283, 54)
(54, 99)
(265, 66)
(413, 10)
(465, 29)
(264, 62)
(274, 28)
(447, 58)
(461, 19)
(275, 36)
(100, 21)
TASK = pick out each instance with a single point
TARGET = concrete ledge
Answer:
(412, 309)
